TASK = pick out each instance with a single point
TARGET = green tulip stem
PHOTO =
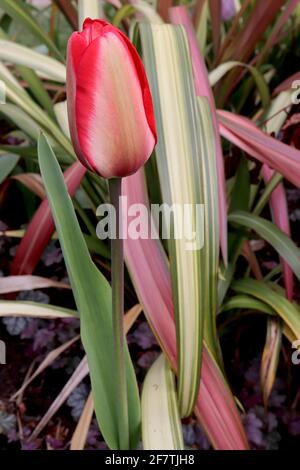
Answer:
(117, 283)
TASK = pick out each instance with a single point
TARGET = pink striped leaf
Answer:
(279, 208)
(247, 136)
(41, 227)
(27, 282)
(148, 267)
(33, 182)
(270, 357)
(288, 84)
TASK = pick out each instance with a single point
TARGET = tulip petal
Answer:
(76, 48)
(147, 98)
(92, 29)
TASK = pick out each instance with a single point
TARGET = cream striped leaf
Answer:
(88, 9)
(209, 183)
(11, 308)
(184, 144)
(19, 97)
(49, 68)
(161, 426)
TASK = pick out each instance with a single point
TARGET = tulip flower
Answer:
(109, 102)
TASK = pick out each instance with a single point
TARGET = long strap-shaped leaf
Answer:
(90, 8)
(92, 294)
(21, 98)
(7, 164)
(287, 310)
(161, 426)
(18, 11)
(148, 266)
(17, 54)
(78, 375)
(280, 215)
(209, 183)
(267, 230)
(247, 136)
(254, 305)
(13, 308)
(21, 283)
(179, 15)
(179, 160)
(270, 357)
(69, 11)
(33, 309)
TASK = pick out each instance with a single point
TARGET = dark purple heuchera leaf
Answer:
(269, 420)
(14, 325)
(278, 396)
(201, 439)
(69, 364)
(31, 445)
(54, 443)
(147, 359)
(94, 439)
(293, 195)
(72, 364)
(272, 440)
(13, 435)
(7, 422)
(28, 444)
(252, 373)
(261, 428)
(30, 329)
(42, 338)
(142, 336)
(93, 435)
(13, 250)
(13, 140)
(228, 9)
(77, 400)
(295, 215)
(251, 393)
(52, 254)
(34, 296)
(292, 421)
(253, 426)
(194, 436)
(189, 435)
(67, 329)
(276, 399)
(3, 226)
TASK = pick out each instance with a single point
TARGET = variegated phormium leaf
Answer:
(185, 159)
(209, 183)
(161, 426)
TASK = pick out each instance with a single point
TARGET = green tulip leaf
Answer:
(7, 164)
(92, 294)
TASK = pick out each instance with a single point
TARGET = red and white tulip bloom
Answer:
(110, 107)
